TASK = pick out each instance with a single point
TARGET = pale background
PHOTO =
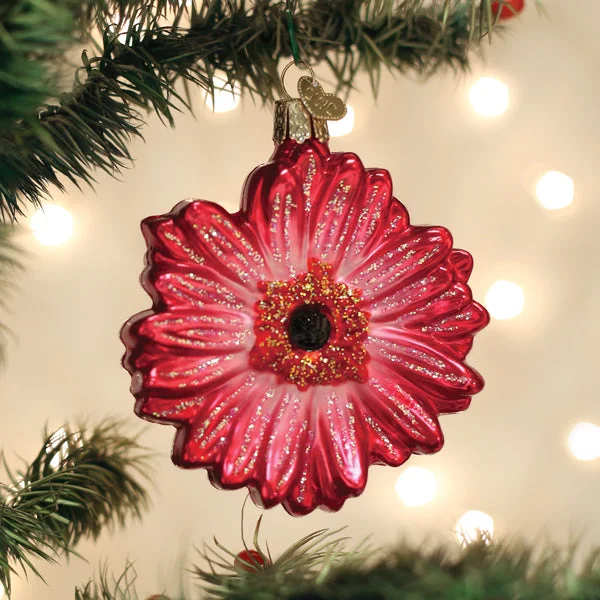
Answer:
(507, 454)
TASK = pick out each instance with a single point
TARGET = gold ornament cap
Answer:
(293, 121)
(305, 117)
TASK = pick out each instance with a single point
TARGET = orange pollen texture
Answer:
(342, 358)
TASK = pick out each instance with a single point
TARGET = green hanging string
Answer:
(292, 33)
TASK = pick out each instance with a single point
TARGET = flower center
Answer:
(309, 328)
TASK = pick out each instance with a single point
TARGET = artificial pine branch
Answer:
(9, 264)
(34, 35)
(90, 126)
(81, 482)
(481, 571)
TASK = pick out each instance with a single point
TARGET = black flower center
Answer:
(309, 328)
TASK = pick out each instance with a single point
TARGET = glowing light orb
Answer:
(505, 300)
(474, 526)
(554, 190)
(52, 225)
(584, 441)
(344, 125)
(489, 97)
(226, 95)
(416, 486)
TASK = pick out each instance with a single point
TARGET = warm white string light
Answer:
(584, 441)
(489, 97)
(505, 300)
(226, 95)
(344, 126)
(58, 447)
(474, 526)
(416, 486)
(554, 190)
(52, 225)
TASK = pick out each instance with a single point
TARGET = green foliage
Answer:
(33, 35)
(130, 73)
(81, 482)
(311, 559)
(481, 571)
(9, 264)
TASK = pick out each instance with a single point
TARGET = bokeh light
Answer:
(344, 126)
(474, 526)
(226, 95)
(584, 441)
(489, 97)
(554, 190)
(505, 300)
(52, 225)
(416, 486)
(57, 447)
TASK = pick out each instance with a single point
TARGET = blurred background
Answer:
(506, 157)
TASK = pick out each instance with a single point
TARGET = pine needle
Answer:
(81, 482)
(140, 60)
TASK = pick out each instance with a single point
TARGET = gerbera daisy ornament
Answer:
(309, 335)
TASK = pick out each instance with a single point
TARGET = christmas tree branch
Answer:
(483, 570)
(81, 482)
(136, 71)
(9, 264)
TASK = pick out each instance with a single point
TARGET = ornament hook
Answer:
(285, 70)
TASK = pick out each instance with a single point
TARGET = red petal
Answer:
(341, 460)
(335, 205)
(277, 199)
(462, 263)
(287, 439)
(204, 442)
(373, 211)
(206, 332)
(410, 297)
(224, 240)
(201, 290)
(248, 439)
(407, 418)
(185, 376)
(168, 244)
(422, 365)
(401, 260)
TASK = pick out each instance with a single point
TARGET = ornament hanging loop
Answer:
(285, 70)
(292, 32)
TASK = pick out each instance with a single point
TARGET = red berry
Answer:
(249, 560)
(510, 8)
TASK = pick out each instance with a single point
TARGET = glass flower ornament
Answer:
(309, 335)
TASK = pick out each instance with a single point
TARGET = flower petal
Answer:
(376, 212)
(277, 200)
(462, 263)
(387, 447)
(225, 241)
(414, 357)
(304, 495)
(407, 418)
(184, 376)
(401, 260)
(456, 329)
(249, 436)
(341, 458)
(168, 244)
(199, 289)
(410, 297)
(337, 200)
(206, 332)
(205, 441)
(287, 438)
